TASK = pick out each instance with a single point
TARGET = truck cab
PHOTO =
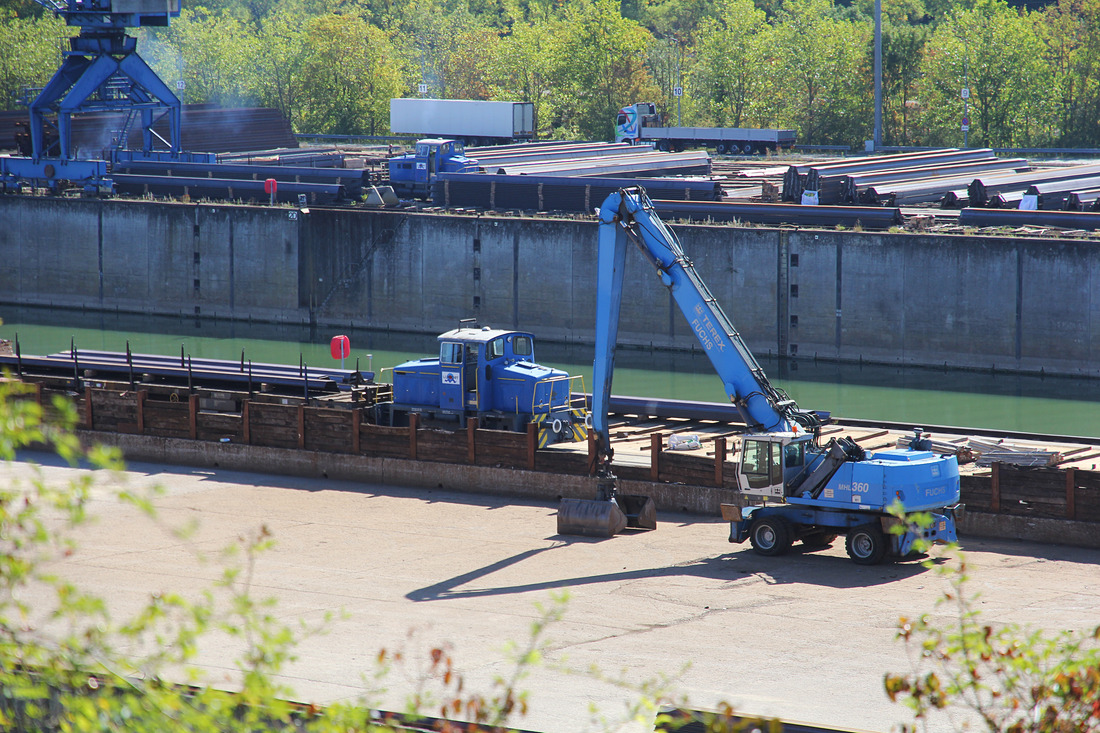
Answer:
(414, 173)
(630, 121)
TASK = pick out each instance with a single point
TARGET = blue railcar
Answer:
(489, 374)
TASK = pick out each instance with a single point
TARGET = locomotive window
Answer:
(495, 349)
(522, 346)
(450, 353)
(422, 149)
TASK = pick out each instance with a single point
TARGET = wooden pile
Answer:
(987, 452)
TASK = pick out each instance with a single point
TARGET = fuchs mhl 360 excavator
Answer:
(793, 487)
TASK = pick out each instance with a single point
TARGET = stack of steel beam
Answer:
(1055, 195)
(183, 370)
(301, 157)
(553, 193)
(922, 183)
(1011, 186)
(351, 179)
(828, 179)
(866, 217)
(490, 158)
(976, 217)
(1085, 200)
(645, 163)
(230, 189)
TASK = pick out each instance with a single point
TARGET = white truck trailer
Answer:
(470, 121)
(640, 123)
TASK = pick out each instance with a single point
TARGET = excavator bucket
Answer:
(640, 511)
(608, 514)
(590, 517)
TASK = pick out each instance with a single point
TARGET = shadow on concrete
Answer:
(795, 568)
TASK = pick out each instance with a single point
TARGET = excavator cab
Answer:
(769, 461)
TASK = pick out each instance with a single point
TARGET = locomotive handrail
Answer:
(546, 407)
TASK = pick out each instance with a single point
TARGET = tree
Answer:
(521, 70)
(1070, 34)
(598, 63)
(1011, 678)
(821, 75)
(349, 73)
(279, 62)
(993, 51)
(902, 47)
(30, 52)
(72, 664)
(725, 78)
(466, 71)
(213, 54)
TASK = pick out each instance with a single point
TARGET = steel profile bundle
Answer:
(647, 163)
(827, 179)
(1055, 195)
(226, 188)
(512, 154)
(917, 192)
(352, 179)
(185, 370)
(982, 217)
(1086, 200)
(922, 183)
(867, 217)
(982, 190)
(302, 157)
(552, 193)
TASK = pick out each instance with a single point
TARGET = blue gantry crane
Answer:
(101, 72)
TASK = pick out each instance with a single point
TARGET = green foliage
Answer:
(347, 77)
(71, 665)
(1010, 678)
(598, 66)
(820, 77)
(992, 49)
(332, 66)
(730, 50)
(214, 53)
(30, 51)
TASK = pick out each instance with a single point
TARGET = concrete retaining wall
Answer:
(1024, 304)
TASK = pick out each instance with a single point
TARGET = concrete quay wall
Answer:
(1003, 303)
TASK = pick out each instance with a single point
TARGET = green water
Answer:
(1056, 405)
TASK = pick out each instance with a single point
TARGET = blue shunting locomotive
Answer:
(489, 374)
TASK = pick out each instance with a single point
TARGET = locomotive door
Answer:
(450, 376)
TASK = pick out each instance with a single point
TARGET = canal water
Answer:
(995, 400)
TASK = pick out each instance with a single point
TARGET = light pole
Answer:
(878, 75)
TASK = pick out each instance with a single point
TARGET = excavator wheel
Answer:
(770, 536)
(866, 544)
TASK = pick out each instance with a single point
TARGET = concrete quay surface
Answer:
(805, 637)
